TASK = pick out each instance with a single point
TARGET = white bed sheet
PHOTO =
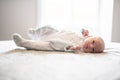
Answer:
(20, 64)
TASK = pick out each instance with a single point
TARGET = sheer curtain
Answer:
(76, 14)
(106, 19)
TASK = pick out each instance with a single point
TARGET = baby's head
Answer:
(93, 45)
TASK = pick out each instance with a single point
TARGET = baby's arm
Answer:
(77, 47)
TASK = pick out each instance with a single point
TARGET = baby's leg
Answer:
(31, 44)
(38, 33)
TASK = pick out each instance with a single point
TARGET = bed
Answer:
(17, 63)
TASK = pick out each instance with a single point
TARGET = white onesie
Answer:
(58, 40)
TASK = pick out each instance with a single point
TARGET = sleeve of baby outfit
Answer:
(60, 45)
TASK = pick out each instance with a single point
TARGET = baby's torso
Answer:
(68, 37)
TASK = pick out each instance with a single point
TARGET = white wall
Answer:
(16, 16)
(116, 22)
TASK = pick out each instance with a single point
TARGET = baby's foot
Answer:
(18, 39)
(31, 31)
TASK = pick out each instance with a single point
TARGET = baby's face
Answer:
(93, 45)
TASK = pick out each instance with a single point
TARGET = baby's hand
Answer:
(75, 47)
(85, 32)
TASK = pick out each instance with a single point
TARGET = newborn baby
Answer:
(48, 38)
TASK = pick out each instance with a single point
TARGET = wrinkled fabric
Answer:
(59, 40)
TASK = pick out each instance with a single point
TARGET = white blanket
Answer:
(21, 64)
